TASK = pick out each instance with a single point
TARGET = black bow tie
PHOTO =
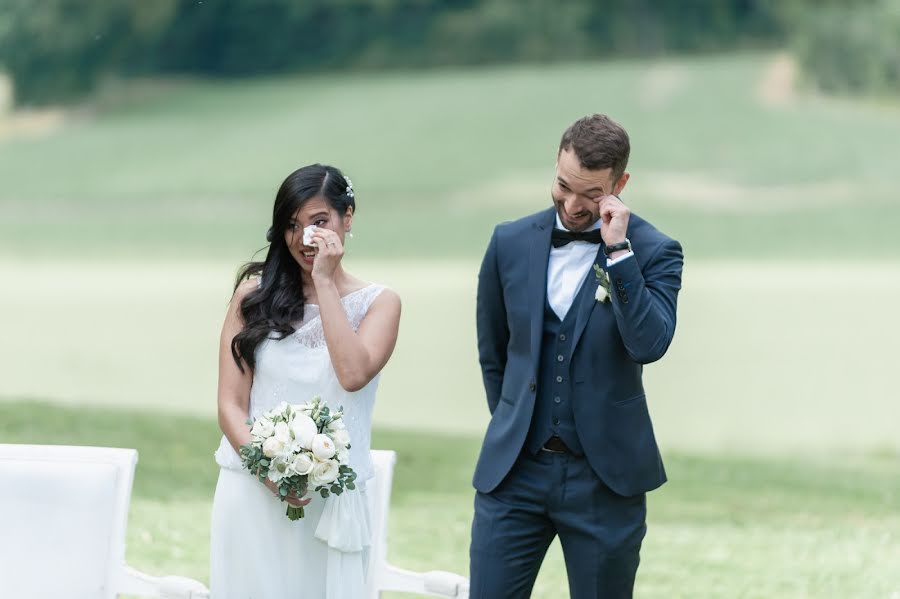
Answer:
(560, 238)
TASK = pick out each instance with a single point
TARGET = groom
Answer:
(570, 450)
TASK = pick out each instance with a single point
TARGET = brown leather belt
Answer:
(555, 445)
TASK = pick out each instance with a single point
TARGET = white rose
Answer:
(283, 433)
(341, 437)
(304, 429)
(272, 447)
(323, 473)
(323, 447)
(263, 427)
(342, 455)
(601, 294)
(302, 464)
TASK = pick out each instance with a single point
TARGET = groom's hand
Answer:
(614, 215)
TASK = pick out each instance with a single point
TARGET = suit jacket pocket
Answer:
(625, 402)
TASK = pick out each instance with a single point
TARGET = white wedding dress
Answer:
(256, 552)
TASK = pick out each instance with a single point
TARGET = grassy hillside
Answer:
(725, 157)
(766, 358)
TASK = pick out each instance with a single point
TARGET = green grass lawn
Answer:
(191, 170)
(768, 357)
(724, 526)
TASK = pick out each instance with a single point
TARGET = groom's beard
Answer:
(577, 225)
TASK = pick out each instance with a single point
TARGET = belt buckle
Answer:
(555, 440)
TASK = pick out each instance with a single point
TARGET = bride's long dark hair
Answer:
(279, 301)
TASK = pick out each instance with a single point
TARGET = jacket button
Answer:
(532, 386)
(560, 358)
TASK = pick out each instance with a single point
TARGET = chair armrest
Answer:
(446, 584)
(179, 587)
(436, 583)
(135, 582)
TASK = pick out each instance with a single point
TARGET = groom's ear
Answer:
(620, 184)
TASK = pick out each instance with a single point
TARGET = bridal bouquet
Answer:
(300, 447)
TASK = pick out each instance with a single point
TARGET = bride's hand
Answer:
(291, 499)
(331, 250)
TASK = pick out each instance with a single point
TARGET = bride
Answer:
(298, 326)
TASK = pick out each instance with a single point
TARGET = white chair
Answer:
(382, 575)
(65, 511)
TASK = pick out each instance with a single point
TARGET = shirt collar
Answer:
(593, 227)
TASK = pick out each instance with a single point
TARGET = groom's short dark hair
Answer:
(599, 142)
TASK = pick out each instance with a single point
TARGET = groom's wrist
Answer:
(624, 255)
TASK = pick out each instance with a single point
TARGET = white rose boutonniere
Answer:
(602, 294)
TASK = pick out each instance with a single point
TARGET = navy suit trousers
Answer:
(551, 494)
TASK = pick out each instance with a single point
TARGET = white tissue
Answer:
(307, 235)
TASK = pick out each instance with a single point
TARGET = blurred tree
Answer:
(57, 49)
(847, 47)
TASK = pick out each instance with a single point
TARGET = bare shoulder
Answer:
(385, 306)
(387, 299)
(244, 289)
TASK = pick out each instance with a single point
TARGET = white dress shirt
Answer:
(568, 267)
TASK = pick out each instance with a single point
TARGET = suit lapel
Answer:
(539, 256)
(586, 300)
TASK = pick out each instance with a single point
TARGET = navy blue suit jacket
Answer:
(612, 341)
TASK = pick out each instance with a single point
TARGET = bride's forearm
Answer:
(233, 422)
(349, 356)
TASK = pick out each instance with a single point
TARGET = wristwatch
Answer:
(616, 247)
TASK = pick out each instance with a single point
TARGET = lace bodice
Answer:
(356, 304)
(298, 367)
